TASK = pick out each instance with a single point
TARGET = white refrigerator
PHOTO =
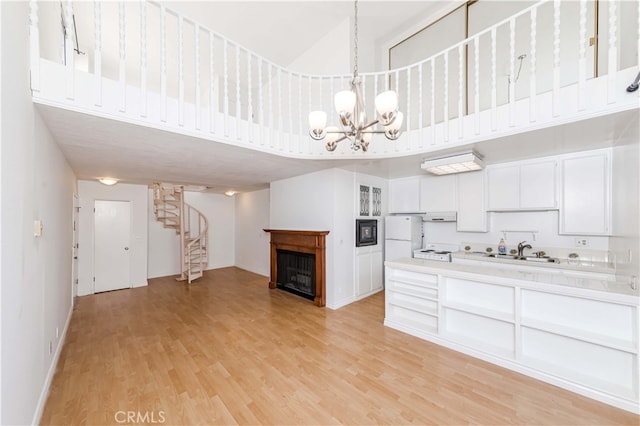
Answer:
(402, 235)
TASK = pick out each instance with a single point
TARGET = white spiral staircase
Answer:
(189, 223)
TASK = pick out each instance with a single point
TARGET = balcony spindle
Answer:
(123, 60)
(408, 111)
(69, 58)
(476, 85)
(494, 91)
(143, 59)
(638, 54)
(180, 70)
(582, 60)
(163, 63)
(196, 33)
(445, 106)
(238, 101)
(512, 72)
(420, 105)
(97, 51)
(249, 99)
(280, 119)
(213, 101)
(460, 91)
(225, 83)
(433, 101)
(34, 45)
(300, 125)
(556, 58)
(260, 101)
(612, 66)
(270, 97)
(290, 108)
(533, 91)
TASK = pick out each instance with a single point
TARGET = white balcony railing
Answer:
(152, 66)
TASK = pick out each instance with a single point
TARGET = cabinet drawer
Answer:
(425, 306)
(412, 318)
(410, 288)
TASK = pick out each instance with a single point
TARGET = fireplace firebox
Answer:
(297, 273)
(298, 263)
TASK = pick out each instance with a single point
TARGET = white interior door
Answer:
(74, 248)
(112, 229)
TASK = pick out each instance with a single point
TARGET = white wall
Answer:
(251, 242)
(322, 201)
(164, 243)
(330, 55)
(220, 211)
(545, 222)
(164, 247)
(625, 242)
(37, 184)
(89, 192)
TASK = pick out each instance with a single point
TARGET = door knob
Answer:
(126, 248)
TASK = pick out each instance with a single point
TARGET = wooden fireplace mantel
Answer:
(304, 242)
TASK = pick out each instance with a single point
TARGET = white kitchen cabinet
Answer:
(522, 186)
(470, 199)
(368, 270)
(404, 195)
(586, 194)
(580, 339)
(438, 193)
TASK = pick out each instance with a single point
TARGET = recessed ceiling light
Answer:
(230, 193)
(461, 163)
(108, 181)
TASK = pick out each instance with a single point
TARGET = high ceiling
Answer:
(279, 31)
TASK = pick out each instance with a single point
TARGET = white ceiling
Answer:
(279, 31)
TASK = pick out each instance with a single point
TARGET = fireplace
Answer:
(297, 273)
(298, 263)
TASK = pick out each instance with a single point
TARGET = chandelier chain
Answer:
(355, 41)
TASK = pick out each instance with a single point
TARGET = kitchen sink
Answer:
(543, 259)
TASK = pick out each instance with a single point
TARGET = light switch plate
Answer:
(37, 228)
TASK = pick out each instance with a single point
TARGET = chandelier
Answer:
(353, 117)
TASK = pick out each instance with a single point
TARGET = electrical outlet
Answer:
(581, 242)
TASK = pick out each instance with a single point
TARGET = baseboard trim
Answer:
(37, 416)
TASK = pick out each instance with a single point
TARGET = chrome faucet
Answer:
(521, 247)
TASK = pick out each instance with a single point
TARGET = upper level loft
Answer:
(151, 66)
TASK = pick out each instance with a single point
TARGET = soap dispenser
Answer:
(502, 247)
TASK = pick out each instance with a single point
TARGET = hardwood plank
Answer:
(227, 350)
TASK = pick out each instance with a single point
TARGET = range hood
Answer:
(440, 217)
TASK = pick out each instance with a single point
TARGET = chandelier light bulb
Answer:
(317, 122)
(392, 131)
(386, 102)
(333, 134)
(344, 102)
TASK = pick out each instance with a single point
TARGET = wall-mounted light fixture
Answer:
(461, 163)
(230, 193)
(107, 181)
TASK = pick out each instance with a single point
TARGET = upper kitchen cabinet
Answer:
(522, 186)
(470, 199)
(404, 195)
(438, 193)
(586, 194)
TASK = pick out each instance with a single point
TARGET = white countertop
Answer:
(589, 281)
(578, 266)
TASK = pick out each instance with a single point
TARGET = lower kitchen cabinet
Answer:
(582, 340)
(369, 266)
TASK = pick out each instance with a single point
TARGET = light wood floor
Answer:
(227, 350)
